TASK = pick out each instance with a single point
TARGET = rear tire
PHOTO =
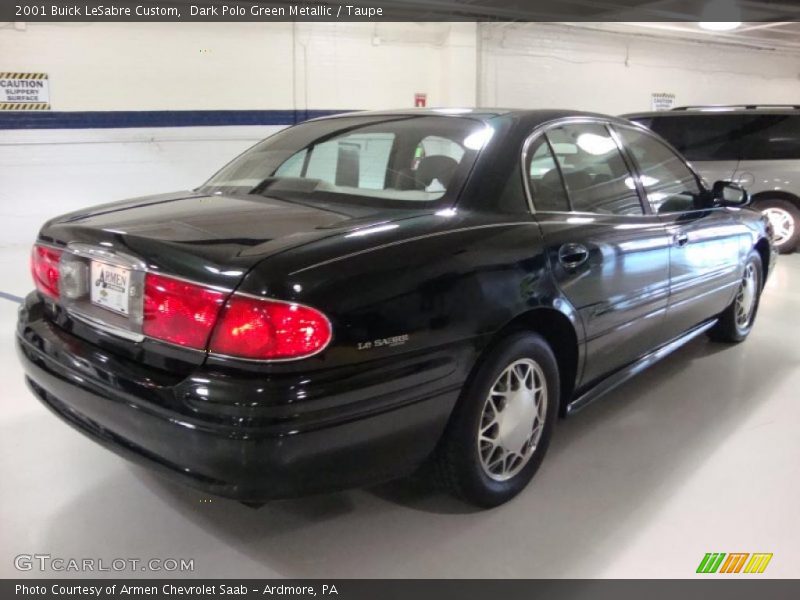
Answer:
(784, 218)
(736, 321)
(501, 427)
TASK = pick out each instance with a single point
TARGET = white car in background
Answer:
(757, 146)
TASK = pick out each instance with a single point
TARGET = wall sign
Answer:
(662, 101)
(420, 100)
(24, 91)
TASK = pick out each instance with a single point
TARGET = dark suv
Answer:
(756, 146)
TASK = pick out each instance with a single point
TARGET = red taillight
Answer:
(44, 268)
(191, 315)
(265, 329)
(179, 312)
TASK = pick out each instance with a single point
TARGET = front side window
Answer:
(392, 160)
(596, 176)
(669, 184)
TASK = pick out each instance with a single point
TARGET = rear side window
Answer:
(669, 184)
(547, 189)
(596, 176)
(727, 137)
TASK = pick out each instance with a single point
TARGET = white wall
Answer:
(193, 66)
(542, 65)
(46, 173)
(183, 66)
(155, 66)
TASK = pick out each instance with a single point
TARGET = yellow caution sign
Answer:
(24, 91)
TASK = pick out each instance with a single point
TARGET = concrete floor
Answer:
(700, 454)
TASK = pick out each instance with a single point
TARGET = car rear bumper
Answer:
(245, 451)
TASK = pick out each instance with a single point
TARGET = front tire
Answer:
(501, 427)
(736, 321)
(784, 217)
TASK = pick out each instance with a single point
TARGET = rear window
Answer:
(730, 137)
(396, 160)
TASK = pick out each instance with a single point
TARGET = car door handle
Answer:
(572, 255)
(680, 239)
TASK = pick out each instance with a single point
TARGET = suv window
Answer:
(547, 189)
(596, 176)
(669, 184)
(769, 137)
(720, 136)
(699, 137)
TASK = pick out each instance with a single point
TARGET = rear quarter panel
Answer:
(431, 285)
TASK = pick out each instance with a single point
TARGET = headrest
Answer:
(436, 167)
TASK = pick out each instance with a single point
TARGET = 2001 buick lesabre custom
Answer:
(358, 295)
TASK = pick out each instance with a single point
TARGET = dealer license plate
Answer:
(110, 287)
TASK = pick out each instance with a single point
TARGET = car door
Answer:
(707, 242)
(608, 256)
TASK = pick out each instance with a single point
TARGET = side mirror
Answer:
(727, 193)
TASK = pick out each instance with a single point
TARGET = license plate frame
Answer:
(110, 287)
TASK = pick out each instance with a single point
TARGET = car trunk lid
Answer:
(209, 239)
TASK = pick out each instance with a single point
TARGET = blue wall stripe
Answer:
(154, 118)
(12, 297)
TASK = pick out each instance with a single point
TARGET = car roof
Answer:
(530, 116)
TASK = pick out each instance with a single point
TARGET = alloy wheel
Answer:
(746, 296)
(782, 224)
(513, 419)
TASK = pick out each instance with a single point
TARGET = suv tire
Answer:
(784, 217)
